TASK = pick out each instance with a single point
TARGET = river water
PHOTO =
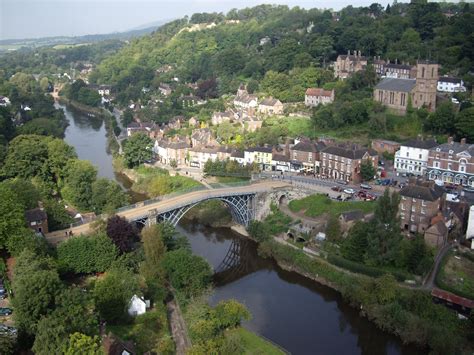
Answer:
(298, 314)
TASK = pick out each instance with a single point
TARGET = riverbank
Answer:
(409, 314)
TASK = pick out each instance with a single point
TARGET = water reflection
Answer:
(301, 315)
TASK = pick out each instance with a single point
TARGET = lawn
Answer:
(316, 205)
(457, 275)
(254, 344)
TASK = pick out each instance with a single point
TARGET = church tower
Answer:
(426, 84)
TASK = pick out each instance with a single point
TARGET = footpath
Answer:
(178, 328)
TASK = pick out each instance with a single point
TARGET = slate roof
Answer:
(318, 92)
(398, 66)
(260, 149)
(456, 147)
(352, 215)
(307, 146)
(438, 228)
(421, 144)
(349, 153)
(422, 192)
(448, 79)
(237, 154)
(35, 215)
(270, 102)
(395, 84)
(280, 157)
(351, 57)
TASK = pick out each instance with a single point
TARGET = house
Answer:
(400, 71)
(103, 90)
(349, 218)
(381, 146)
(4, 101)
(224, 153)
(470, 227)
(271, 106)
(344, 163)
(262, 156)
(396, 93)
(436, 235)
(452, 162)
(315, 96)
(176, 122)
(251, 124)
(280, 162)
(420, 201)
(244, 100)
(114, 346)
(413, 155)
(191, 100)
(137, 306)
(379, 66)
(169, 151)
(198, 156)
(140, 127)
(450, 84)
(220, 117)
(307, 153)
(346, 65)
(164, 69)
(202, 137)
(238, 156)
(37, 220)
(165, 89)
(193, 122)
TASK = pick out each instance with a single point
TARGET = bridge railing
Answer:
(161, 198)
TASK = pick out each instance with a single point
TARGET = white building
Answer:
(4, 101)
(137, 306)
(200, 155)
(470, 227)
(413, 156)
(450, 84)
(315, 96)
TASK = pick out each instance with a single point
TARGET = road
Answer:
(141, 210)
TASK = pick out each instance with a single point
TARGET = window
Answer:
(436, 164)
(402, 206)
(419, 156)
(408, 154)
(449, 166)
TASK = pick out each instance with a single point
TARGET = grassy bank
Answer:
(253, 343)
(316, 205)
(410, 314)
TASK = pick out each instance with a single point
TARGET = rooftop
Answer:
(318, 92)
(395, 84)
(36, 214)
(422, 191)
(421, 144)
(349, 153)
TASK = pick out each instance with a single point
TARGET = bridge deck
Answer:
(169, 204)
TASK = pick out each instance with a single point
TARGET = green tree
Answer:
(107, 196)
(367, 170)
(58, 218)
(188, 273)
(87, 254)
(137, 149)
(443, 120)
(79, 344)
(230, 314)
(121, 232)
(386, 288)
(27, 240)
(80, 175)
(113, 293)
(259, 231)
(333, 229)
(36, 285)
(355, 245)
(25, 191)
(12, 221)
(465, 124)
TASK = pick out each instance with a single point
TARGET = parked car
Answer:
(350, 191)
(336, 188)
(5, 311)
(5, 329)
(365, 186)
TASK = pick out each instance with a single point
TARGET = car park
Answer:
(5, 311)
(365, 186)
(7, 330)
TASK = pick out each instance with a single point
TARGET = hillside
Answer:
(246, 44)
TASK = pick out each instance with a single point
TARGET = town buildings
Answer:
(420, 201)
(307, 153)
(381, 146)
(244, 100)
(315, 96)
(262, 156)
(450, 84)
(413, 155)
(397, 93)
(270, 106)
(344, 163)
(452, 162)
(346, 65)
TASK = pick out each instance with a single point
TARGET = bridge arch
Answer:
(241, 208)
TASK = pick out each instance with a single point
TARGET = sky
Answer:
(44, 18)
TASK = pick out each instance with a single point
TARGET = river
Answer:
(89, 137)
(302, 316)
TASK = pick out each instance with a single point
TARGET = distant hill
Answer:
(13, 44)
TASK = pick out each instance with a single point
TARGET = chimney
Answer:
(463, 140)
(419, 137)
(348, 52)
(450, 140)
(360, 53)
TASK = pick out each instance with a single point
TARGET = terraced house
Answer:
(452, 162)
(343, 163)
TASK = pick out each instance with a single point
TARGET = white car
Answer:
(350, 191)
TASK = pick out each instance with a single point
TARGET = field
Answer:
(457, 275)
(316, 205)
